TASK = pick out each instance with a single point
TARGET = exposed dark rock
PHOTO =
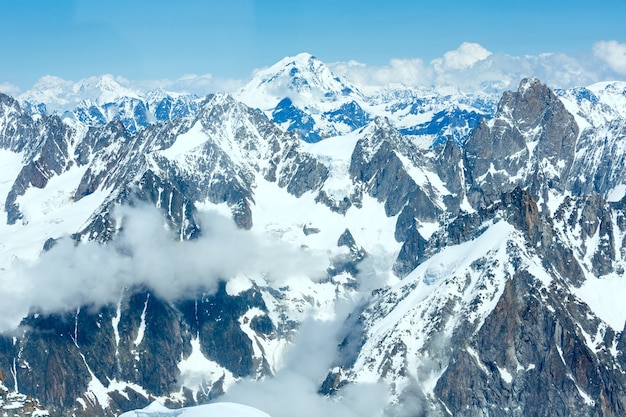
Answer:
(152, 337)
(530, 143)
(376, 164)
(411, 254)
(533, 361)
(308, 230)
(346, 239)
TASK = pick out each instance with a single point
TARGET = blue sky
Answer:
(156, 39)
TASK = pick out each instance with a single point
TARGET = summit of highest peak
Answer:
(303, 58)
(302, 78)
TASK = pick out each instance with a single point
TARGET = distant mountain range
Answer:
(480, 242)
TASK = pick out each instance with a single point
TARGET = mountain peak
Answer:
(531, 85)
(303, 58)
(302, 78)
(105, 89)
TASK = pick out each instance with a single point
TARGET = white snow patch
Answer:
(48, 213)
(574, 109)
(142, 326)
(617, 193)
(244, 324)
(474, 354)
(505, 375)
(196, 370)
(605, 297)
(427, 229)
(336, 153)
(185, 143)
(115, 322)
(282, 216)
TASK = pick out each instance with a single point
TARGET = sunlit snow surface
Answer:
(47, 213)
(605, 297)
(208, 410)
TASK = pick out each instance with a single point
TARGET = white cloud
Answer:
(145, 253)
(613, 54)
(464, 56)
(10, 89)
(399, 71)
(294, 390)
(200, 84)
(473, 68)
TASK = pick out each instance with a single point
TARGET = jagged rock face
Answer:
(17, 127)
(601, 158)
(491, 327)
(530, 142)
(532, 349)
(138, 347)
(380, 161)
(595, 229)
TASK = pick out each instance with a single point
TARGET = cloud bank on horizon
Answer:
(471, 68)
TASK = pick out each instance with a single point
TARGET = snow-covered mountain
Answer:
(97, 101)
(478, 265)
(302, 94)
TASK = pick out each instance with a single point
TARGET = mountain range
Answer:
(466, 250)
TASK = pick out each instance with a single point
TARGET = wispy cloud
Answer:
(146, 254)
(10, 89)
(471, 67)
(294, 390)
(199, 84)
(613, 54)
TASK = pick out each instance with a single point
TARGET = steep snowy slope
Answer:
(599, 111)
(482, 328)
